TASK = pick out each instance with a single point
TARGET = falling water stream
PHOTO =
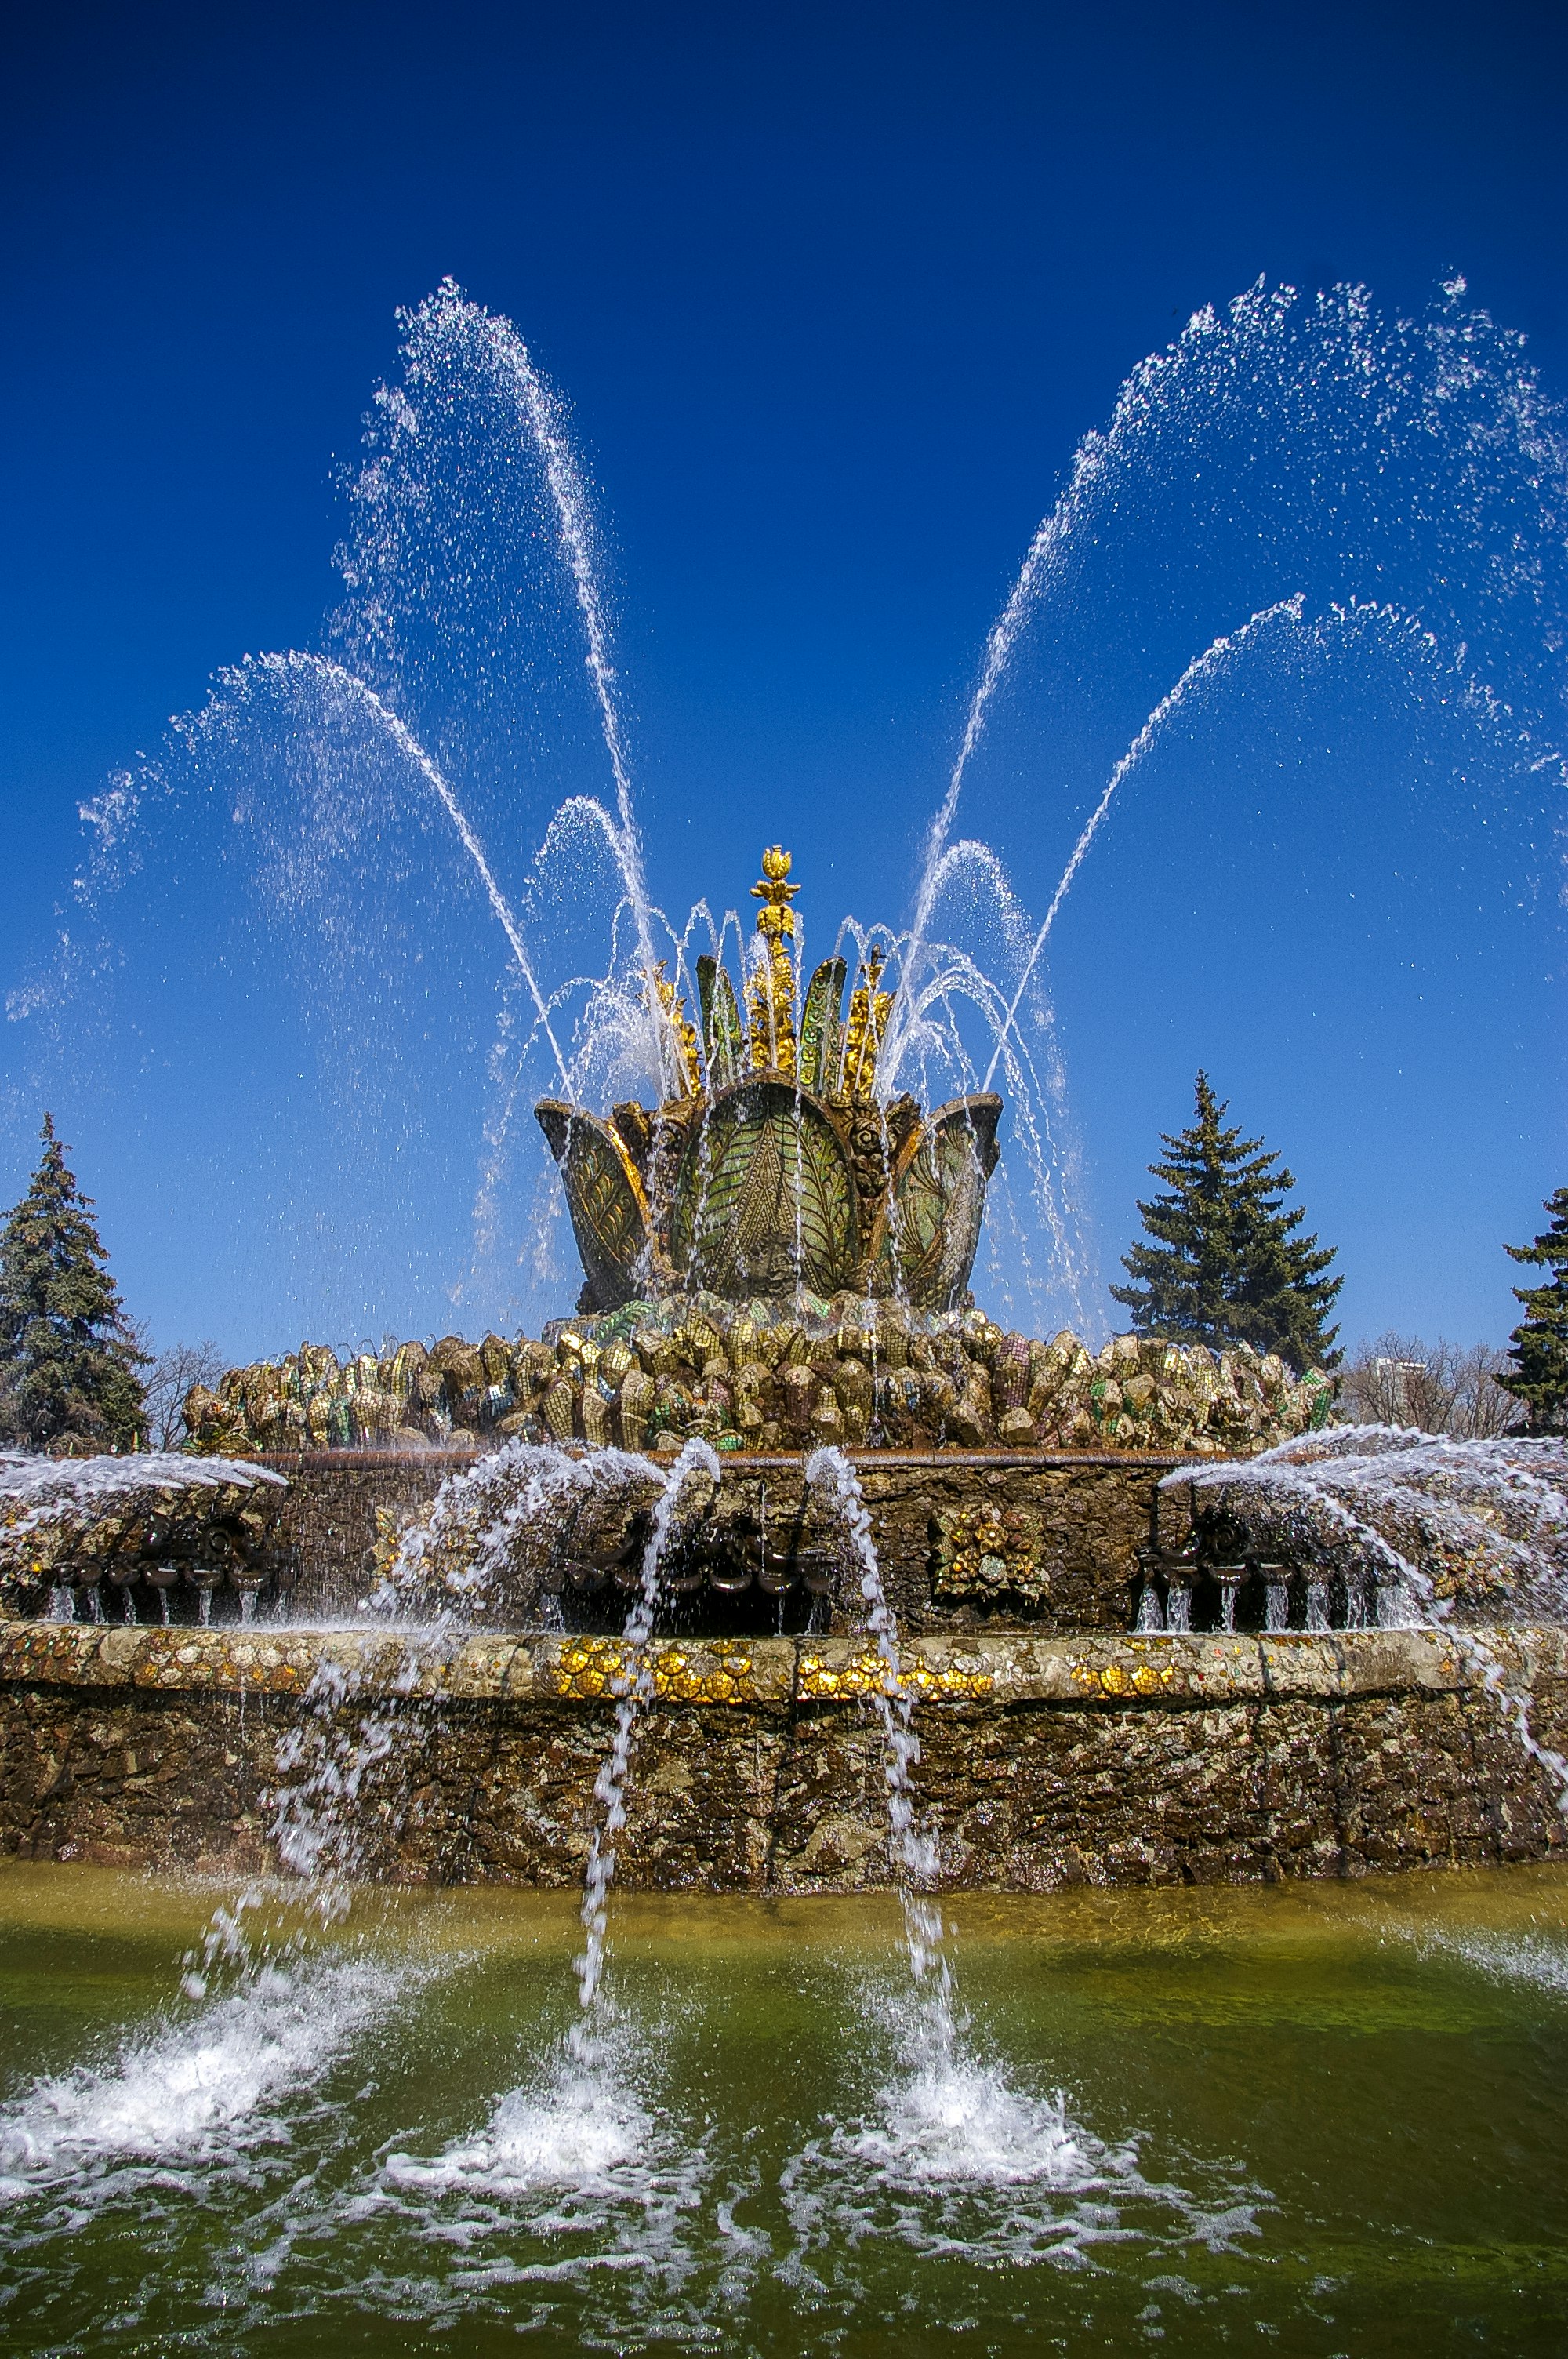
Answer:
(324, 2086)
(833, 1480)
(635, 1685)
(1362, 1502)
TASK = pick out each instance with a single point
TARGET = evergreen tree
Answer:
(1539, 1344)
(68, 1359)
(1227, 1265)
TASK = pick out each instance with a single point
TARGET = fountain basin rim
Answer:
(313, 1462)
(1153, 1670)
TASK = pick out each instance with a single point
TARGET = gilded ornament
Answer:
(989, 1552)
(773, 1169)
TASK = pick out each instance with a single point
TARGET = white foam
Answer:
(949, 2115)
(1510, 1957)
(576, 2176)
(959, 2121)
(200, 2090)
(576, 2124)
(957, 2157)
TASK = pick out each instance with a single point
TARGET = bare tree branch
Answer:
(170, 1379)
(1442, 1388)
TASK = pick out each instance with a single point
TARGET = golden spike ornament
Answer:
(868, 1011)
(770, 995)
(681, 1031)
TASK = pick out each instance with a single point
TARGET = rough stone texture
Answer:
(330, 1514)
(759, 1765)
(1096, 1511)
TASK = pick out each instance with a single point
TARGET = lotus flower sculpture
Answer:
(774, 1166)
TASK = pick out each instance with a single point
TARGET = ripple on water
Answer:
(577, 2171)
(578, 2124)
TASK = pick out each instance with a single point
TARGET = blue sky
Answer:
(833, 295)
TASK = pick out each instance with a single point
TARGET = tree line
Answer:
(1224, 1259)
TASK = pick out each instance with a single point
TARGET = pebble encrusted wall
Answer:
(1126, 1760)
(766, 1376)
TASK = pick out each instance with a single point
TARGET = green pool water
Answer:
(1323, 2119)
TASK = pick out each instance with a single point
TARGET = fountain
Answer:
(779, 1568)
(778, 1172)
(774, 1170)
(778, 1470)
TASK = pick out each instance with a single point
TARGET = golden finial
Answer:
(682, 1032)
(776, 915)
(770, 993)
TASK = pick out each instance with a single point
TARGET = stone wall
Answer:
(330, 1514)
(1094, 1509)
(758, 1766)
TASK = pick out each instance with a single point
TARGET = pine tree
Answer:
(1539, 1344)
(1227, 1265)
(68, 1358)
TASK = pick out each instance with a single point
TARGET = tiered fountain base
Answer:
(1107, 1759)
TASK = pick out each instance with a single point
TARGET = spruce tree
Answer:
(1539, 1344)
(68, 1359)
(1226, 1265)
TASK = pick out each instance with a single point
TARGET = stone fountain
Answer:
(1157, 1622)
(776, 1259)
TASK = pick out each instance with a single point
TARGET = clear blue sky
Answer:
(834, 294)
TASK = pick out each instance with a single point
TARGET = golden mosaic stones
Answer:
(1125, 1677)
(585, 1669)
(773, 1167)
(831, 1676)
(988, 1551)
(954, 1680)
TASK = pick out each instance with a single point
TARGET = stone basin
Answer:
(759, 1763)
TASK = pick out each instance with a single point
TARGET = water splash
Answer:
(1416, 460)
(1422, 453)
(1532, 1958)
(1050, 537)
(833, 1480)
(331, 1814)
(496, 1531)
(455, 353)
(956, 2160)
(1200, 672)
(1440, 1529)
(950, 2114)
(582, 2123)
(332, 677)
(192, 2095)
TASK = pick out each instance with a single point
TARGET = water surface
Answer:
(1319, 2120)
